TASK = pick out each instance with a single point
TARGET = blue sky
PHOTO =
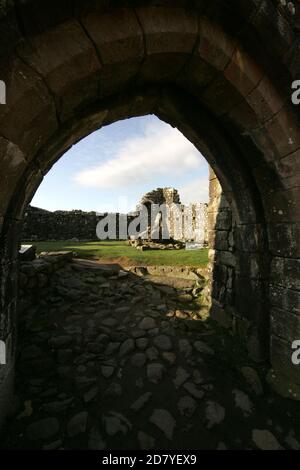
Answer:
(112, 168)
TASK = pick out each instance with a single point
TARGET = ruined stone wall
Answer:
(161, 196)
(196, 222)
(185, 223)
(59, 225)
(62, 225)
(238, 298)
(40, 224)
(221, 253)
(35, 275)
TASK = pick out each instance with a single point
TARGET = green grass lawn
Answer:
(126, 255)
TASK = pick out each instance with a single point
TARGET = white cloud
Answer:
(161, 151)
(195, 191)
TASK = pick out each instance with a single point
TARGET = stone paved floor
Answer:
(105, 363)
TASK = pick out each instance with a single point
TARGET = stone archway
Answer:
(222, 79)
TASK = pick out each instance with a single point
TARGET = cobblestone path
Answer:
(111, 360)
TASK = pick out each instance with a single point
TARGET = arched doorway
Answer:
(199, 70)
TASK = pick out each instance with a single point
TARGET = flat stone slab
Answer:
(108, 269)
(27, 252)
(66, 255)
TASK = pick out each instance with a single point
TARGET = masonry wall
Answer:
(44, 225)
(59, 225)
(35, 275)
(185, 222)
(238, 291)
(221, 253)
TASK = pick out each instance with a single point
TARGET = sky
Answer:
(112, 168)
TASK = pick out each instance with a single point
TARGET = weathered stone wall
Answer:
(40, 224)
(237, 299)
(184, 223)
(35, 275)
(59, 225)
(167, 196)
(221, 253)
(195, 223)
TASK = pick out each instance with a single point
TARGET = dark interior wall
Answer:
(239, 299)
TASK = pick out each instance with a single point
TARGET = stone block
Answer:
(195, 75)
(265, 100)
(285, 298)
(288, 169)
(220, 240)
(243, 72)
(118, 38)
(120, 108)
(12, 165)
(10, 240)
(72, 71)
(251, 264)
(224, 220)
(226, 258)
(284, 239)
(249, 238)
(168, 30)
(215, 47)
(29, 116)
(283, 130)
(242, 117)
(116, 34)
(58, 256)
(9, 277)
(170, 36)
(253, 338)
(283, 206)
(283, 385)
(249, 295)
(286, 272)
(212, 217)
(27, 253)
(285, 324)
(144, 104)
(220, 96)
(219, 276)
